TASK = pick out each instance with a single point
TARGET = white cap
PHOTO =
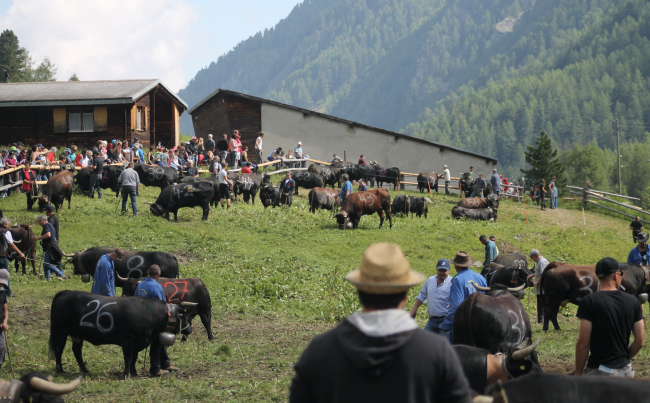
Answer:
(210, 135)
(300, 143)
(444, 166)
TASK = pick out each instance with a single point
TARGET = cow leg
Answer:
(57, 345)
(381, 218)
(550, 313)
(76, 349)
(206, 211)
(127, 351)
(69, 200)
(134, 361)
(175, 215)
(390, 219)
(253, 197)
(206, 319)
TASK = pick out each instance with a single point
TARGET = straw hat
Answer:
(384, 270)
(462, 260)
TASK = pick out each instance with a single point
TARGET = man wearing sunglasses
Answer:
(104, 277)
(640, 254)
(607, 318)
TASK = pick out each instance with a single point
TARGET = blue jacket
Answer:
(104, 278)
(490, 253)
(346, 186)
(461, 288)
(496, 182)
(149, 288)
(635, 256)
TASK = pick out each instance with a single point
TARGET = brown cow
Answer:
(473, 203)
(56, 190)
(321, 198)
(25, 241)
(364, 203)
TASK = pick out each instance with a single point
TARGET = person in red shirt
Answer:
(362, 160)
(29, 185)
(247, 169)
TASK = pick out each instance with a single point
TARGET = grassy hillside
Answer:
(276, 278)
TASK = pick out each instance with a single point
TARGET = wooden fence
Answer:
(589, 194)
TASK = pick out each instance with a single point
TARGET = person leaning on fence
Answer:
(51, 253)
(436, 293)
(29, 185)
(447, 175)
(637, 227)
(129, 181)
(607, 318)
(380, 354)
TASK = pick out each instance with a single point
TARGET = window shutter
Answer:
(59, 120)
(134, 117)
(101, 119)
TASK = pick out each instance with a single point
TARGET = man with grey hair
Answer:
(447, 176)
(540, 266)
(129, 181)
(48, 242)
(346, 189)
(496, 182)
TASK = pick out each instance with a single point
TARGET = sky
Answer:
(126, 39)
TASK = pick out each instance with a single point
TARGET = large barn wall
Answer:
(322, 137)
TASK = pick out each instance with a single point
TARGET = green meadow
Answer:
(276, 279)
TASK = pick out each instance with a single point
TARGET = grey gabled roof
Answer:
(330, 117)
(53, 93)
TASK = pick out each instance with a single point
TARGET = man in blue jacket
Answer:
(496, 182)
(149, 288)
(640, 254)
(461, 287)
(104, 277)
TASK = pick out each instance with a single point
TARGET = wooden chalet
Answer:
(82, 112)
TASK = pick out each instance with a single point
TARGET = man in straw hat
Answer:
(380, 353)
(461, 287)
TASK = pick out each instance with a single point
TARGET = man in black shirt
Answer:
(51, 218)
(542, 192)
(637, 227)
(47, 238)
(607, 318)
(222, 147)
(96, 171)
(4, 314)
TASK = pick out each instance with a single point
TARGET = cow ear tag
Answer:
(522, 368)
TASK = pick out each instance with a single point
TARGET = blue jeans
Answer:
(129, 191)
(4, 264)
(480, 195)
(49, 267)
(95, 182)
(447, 335)
(434, 324)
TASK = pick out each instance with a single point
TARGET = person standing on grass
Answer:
(640, 254)
(540, 266)
(491, 251)
(6, 247)
(97, 171)
(637, 227)
(496, 182)
(555, 192)
(222, 147)
(479, 186)
(607, 318)
(362, 186)
(462, 286)
(224, 186)
(4, 313)
(288, 186)
(436, 292)
(258, 148)
(494, 239)
(215, 167)
(104, 277)
(149, 288)
(29, 185)
(447, 176)
(380, 354)
(48, 242)
(542, 192)
(346, 189)
(210, 145)
(129, 181)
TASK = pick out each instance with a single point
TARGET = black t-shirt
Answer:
(98, 164)
(612, 315)
(55, 223)
(222, 145)
(3, 301)
(209, 145)
(636, 225)
(541, 189)
(47, 228)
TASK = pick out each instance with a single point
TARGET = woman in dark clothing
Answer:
(29, 185)
(542, 191)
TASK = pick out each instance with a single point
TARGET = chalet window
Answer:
(81, 120)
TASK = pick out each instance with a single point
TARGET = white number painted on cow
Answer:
(155, 173)
(301, 175)
(473, 202)
(587, 287)
(134, 264)
(518, 326)
(247, 182)
(99, 315)
(367, 199)
(326, 172)
(520, 263)
(67, 179)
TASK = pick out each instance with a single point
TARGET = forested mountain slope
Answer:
(485, 75)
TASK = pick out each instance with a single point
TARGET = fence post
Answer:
(585, 197)
(401, 178)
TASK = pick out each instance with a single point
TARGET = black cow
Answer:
(34, 387)
(270, 195)
(178, 290)
(154, 175)
(512, 260)
(481, 214)
(635, 282)
(428, 181)
(354, 172)
(134, 264)
(307, 180)
(110, 175)
(419, 206)
(57, 189)
(189, 195)
(495, 273)
(248, 185)
(130, 322)
(321, 198)
(364, 203)
(25, 241)
(552, 388)
(213, 180)
(496, 289)
(342, 164)
(390, 175)
(329, 174)
(401, 205)
(484, 370)
(467, 185)
(496, 324)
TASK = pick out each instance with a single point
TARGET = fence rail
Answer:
(589, 194)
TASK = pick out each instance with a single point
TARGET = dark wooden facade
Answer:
(160, 112)
(224, 113)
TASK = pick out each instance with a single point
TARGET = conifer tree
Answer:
(544, 163)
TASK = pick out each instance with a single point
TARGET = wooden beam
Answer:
(620, 204)
(615, 211)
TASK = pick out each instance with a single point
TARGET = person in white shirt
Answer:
(436, 291)
(258, 148)
(447, 176)
(540, 266)
(224, 186)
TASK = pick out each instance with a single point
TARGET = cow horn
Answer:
(15, 242)
(31, 226)
(521, 354)
(522, 345)
(478, 287)
(483, 399)
(188, 304)
(68, 254)
(517, 289)
(53, 388)
(149, 203)
(120, 278)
